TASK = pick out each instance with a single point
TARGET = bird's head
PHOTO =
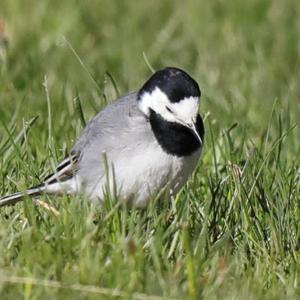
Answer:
(172, 94)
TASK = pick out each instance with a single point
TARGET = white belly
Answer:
(140, 175)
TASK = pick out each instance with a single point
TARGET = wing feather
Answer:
(64, 171)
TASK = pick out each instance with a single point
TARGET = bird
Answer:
(138, 145)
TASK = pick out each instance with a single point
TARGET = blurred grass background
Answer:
(246, 57)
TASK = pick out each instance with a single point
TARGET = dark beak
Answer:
(192, 126)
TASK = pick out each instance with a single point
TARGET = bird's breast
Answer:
(146, 171)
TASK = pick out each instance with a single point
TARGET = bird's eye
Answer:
(169, 109)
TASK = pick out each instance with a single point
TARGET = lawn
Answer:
(233, 232)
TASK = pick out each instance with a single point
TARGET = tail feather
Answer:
(57, 183)
(16, 197)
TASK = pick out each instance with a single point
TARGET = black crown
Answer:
(174, 82)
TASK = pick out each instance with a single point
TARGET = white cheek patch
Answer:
(187, 108)
(157, 101)
(183, 111)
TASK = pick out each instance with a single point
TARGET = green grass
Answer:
(234, 230)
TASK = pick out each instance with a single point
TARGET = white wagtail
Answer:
(146, 141)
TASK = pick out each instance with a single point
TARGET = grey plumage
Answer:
(119, 144)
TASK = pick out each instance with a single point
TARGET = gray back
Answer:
(118, 130)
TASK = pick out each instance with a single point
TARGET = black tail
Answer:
(65, 171)
(16, 197)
